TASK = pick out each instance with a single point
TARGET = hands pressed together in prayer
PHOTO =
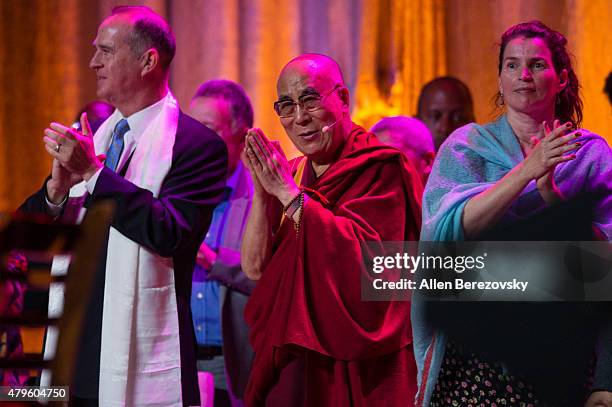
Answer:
(547, 152)
(269, 167)
(273, 187)
(74, 157)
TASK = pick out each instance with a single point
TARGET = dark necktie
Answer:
(116, 148)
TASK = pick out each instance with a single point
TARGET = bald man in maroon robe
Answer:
(316, 342)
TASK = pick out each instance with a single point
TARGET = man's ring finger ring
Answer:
(57, 147)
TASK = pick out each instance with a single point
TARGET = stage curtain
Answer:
(402, 47)
(250, 41)
(41, 74)
(590, 37)
(387, 49)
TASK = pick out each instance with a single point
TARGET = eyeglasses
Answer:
(310, 103)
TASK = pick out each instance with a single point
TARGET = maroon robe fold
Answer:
(307, 305)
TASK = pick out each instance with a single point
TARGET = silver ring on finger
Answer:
(57, 147)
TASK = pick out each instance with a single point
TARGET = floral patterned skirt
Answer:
(466, 380)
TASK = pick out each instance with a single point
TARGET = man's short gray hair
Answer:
(149, 30)
(234, 94)
(409, 133)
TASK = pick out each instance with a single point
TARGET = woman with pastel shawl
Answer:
(530, 175)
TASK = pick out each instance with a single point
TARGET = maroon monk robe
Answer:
(308, 304)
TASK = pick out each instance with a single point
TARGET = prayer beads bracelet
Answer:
(295, 206)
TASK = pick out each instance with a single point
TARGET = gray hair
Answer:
(150, 30)
(234, 94)
(415, 135)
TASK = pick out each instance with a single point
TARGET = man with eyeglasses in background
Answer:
(316, 342)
